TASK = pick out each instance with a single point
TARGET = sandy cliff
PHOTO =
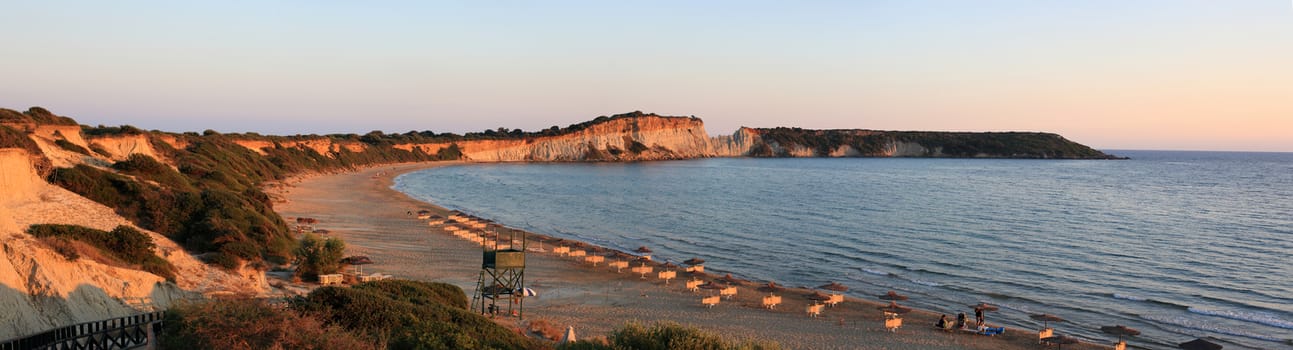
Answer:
(621, 139)
(40, 289)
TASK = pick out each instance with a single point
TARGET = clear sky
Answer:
(1113, 74)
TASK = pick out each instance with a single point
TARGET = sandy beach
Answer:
(360, 208)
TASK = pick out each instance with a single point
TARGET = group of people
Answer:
(962, 320)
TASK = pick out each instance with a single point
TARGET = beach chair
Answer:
(1045, 333)
(728, 292)
(814, 310)
(770, 302)
(835, 299)
(709, 301)
(578, 253)
(619, 265)
(694, 285)
(330, 279)
(668, 275)
(595, 259)
(892, 324)
(1121, 345)
(697, 268)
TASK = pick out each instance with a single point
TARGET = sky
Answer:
(1112, 74)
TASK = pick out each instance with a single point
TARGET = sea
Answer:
(1178, 245)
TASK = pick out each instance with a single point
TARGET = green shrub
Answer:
(251, 324)
(124, 243)
(383, 312)
(319, 256)
(418, 292)
(68, 145)
(671, 336)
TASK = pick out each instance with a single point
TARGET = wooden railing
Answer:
(118, 333)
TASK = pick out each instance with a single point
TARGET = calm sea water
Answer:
(1175, 244)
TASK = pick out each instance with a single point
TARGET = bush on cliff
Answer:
(252, 324)
(124, 243)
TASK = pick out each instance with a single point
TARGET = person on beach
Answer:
(942, 322)
(978, 316)
(960, 320)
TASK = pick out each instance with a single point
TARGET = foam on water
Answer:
(1255, 317)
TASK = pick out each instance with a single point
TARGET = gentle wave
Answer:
(926, 283)
(1128, 297)
(1208, 326)
(1254, 317)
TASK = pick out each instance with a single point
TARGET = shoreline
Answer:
(361, 208)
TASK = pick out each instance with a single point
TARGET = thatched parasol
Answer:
(731, 280)
(711, 285)
(985, 307)
(1120, 331)
(643, 250)
(694, 261)
(771, 287)
(1046, 319)
(355, 261)
(895, 308)
(834, 286)
(669, 265)
(1200, 344)
(1061, 340)
(892, 295)
(818, 296)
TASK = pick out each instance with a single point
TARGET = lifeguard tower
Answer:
(501, 288)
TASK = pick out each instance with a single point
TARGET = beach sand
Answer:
(360, 208)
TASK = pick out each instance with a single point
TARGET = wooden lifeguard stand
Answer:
(502, 277)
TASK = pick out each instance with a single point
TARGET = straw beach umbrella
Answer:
(731, 280)
(834, 286)
(893, 296)
(818, 296)
(894, 308)
(1200, 344)
(355, 261)
(643, 250)
(694, 261)
(1046, 319)
(771, 287)
(1120, 331)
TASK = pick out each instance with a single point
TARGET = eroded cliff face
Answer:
(41, 289)
(623, 139)
(323, 146)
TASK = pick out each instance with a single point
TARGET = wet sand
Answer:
(360, 208)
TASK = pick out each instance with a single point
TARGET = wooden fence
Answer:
(118, 333)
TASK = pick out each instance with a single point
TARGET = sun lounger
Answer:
(330, 279)
(771, 301)
(728, 292)
(835, 299)
(815, 310)
(892, 324)
(619, 265)
(595, 259)
(694, 285)
(697, 268)
(1045, 333)
(710, 301)
(578, 253)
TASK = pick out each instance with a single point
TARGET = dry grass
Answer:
(544, 329)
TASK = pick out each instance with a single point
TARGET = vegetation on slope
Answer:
(125, 244)
(937, 144)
